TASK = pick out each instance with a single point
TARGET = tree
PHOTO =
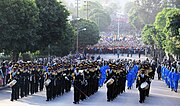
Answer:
(90, 36)
(18, 24)
(144, 12)
(97, 14)
(172, 31)
(135, 20)
(101, 18)
(160, 20)
(128, 6)
(160, 23)
(66, 44)
(53, 22)
(147, 34)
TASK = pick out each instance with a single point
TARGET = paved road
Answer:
(160, 95)
(112, 56)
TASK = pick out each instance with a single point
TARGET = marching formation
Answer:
(24, 80)
(116, 81)
(86, 80)
(85, 76)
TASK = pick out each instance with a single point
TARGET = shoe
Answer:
(140, 101)
(74, 102)
(47, 100)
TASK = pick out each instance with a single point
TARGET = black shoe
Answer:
(140, 101)
(74, 102)
(47, 100)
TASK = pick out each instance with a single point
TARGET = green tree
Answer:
(101, 18)
(172, 31)
(66, 44)
(90, 36)
(144, 12)
(135, 20)
(160, 21)
(53, 22)
(97, 14)
(18, 24)
(147, 34)
(128, 6)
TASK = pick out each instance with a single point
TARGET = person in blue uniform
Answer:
(176, 77)
(129, 79)
(166, 73)
(170, 79)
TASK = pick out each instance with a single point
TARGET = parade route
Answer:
(114, 56)
(160, 95)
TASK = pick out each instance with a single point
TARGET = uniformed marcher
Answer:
(142, 78)
(48, 84)
(109, 81)
(13, 84)
(77, 86)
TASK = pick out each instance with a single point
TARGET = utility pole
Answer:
(77, 9)
(87, 8)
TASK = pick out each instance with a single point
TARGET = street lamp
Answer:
(78, 30)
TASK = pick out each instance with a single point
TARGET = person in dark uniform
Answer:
(26, 82)
(49, 86)
(17, 77)
(14, 87)
(68, 80)
(153, 66)
(77, 86)
(147, 67)
(41, 78)
(109, 82)
(3, 68)
(21, 81)
(36, 79)
(140, 79)
(159, 72)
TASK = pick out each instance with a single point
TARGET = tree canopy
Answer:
(32, 25)
(167, 33)
(53, 22)
(19, 20)
(90, 35)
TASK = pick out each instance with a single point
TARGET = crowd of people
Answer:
(86, 74)
(126, 44)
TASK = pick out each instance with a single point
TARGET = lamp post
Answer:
(49, 53)
(77, 39)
